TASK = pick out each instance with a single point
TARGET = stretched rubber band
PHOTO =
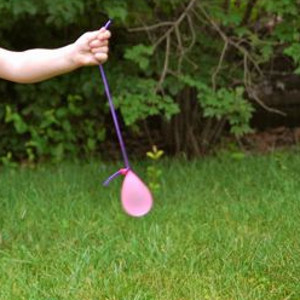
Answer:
(115, 175)
(116, 123)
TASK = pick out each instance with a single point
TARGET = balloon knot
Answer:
(124, 171)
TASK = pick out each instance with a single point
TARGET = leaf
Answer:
(150, 155)
(297, 71)
(140, 54)
(91, 144)
(118, 12)
(294, 52)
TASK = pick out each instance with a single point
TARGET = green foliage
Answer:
(284, 7)
(7, 161)
(116, 10)
(53, 130)
(224, 103)
(140, 54)
(230, 104)
(62, 12)
(294, 52)
(138, 100)
(149, 77)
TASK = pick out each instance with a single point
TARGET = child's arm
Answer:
(40, 64)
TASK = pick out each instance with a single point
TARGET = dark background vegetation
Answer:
(183, 74)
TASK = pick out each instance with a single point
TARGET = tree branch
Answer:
(176, 23)
(166, 64)
(214, 76)
(174, 28)
(253, 94)
(246, 56)
(151, 27)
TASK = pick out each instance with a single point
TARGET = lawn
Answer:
(221, 228)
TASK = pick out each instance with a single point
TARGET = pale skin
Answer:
(36, 65)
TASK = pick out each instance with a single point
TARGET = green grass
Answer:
(220, 229)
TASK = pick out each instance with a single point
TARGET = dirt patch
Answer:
(269, 140)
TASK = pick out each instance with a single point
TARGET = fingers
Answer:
(100, 54)
(103, 49)
(97, 43)
(103, 34)
(100, 42)
(101, 57)
(93, 47)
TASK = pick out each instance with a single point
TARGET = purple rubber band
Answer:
(113, 111)
(115, 175)
(115, 119)
(111, 177)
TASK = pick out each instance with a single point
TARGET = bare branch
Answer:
(166, 64)
(180, 46)
(148, 32)
(191, 62)
(228, 39)
(193, 33)
(167, 37)
(215, 74)
(176, 23)
(253, 94)
(151, 27)
(174, 28)
(179, 40)
(246, 56)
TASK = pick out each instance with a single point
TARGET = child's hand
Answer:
(40, 64)
(91, 48)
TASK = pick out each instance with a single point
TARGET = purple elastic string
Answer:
(110, 178)
(115, 175)
(115, 119)
(113, 111)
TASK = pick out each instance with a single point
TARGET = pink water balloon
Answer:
(135, 196)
